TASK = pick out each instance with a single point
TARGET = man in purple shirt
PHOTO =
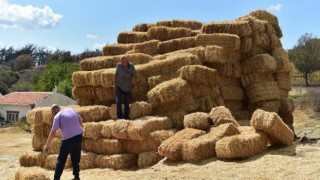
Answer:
(70, 123)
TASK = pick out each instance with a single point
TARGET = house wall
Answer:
(55, 98)
(22, 110)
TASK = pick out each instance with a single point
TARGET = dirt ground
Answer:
(300, 161)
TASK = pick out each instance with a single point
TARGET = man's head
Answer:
(55, 108)
(124, 60)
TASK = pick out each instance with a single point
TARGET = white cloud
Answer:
(276, 7)
(52, 48)
(91, 36)
(29, 17)
(99, 45)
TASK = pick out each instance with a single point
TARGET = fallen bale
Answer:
(198, 120)
(147, 159)
(31, 173)
(221, 115)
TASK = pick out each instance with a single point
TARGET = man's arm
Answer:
(51, 136)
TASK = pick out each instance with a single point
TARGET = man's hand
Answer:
(45, 148)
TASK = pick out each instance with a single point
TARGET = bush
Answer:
(23, 62)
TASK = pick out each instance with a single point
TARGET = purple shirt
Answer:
(68, 121)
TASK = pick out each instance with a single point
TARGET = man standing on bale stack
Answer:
(70, 123)
(124, 83)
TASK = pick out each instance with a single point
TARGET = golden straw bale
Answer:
(38, 142)
(243, 129)
(262, 40)
(107, 146)
(83, 92)
(31, 173)
(283, 93)
(143, 27)
(284, 80)
(132, 37)
(222, 55)
(47, 117)
(206, 103)
(197, 120)
(118, 161)
(222, 115)
(116, 49)
(274, 41)
(51, 161)
(286, 105)
(227, 81)
(223, 69)
(201, 90)
(168, 92)
(148, 47)
(255, 24)
(270, 106)
(85, 101)
(177, 117)
(41, 130)
(259, 63)
(194, 25)
(106, 131)
(35, 116)
(139, 129)
(232, 93)
(165, 23)
(176, 44)
(136, 147)
(87, 160)
(257, 50)
(33, 159)
(166, 33)
(203, 146)
(155, 138)
(241, 115)
(108, 77)
(240, 28)
(105, 93)
(113, 111)
(287, 118)
(235, 105)
(147, 159)
(79, 78)
(92, 130)
(248, 79)
(153, 81)
(198, 51)
(54, 146)
(244, 145)
(228, 41)
(139, 109)
(263, 91)
(199, 74)
(282, 58)
(246, 44)
(172, 147)
(273, 126)
(88, 145)
(266, 16)
(93, 113)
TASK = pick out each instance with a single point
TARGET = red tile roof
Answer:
(23, 98)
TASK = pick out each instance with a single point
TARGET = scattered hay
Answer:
(222, 115)
(244, 145)
(31, 173)
(273, 126)
(132, 37)
(172, 147)
(203, 146)
(240, 28)
(119, 161)
(148, 159)
(166, 33)
(198, 120)
(228, 41)
(221, 55)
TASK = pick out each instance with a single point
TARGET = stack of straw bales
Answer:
(194, 77)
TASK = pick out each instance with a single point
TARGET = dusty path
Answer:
(301, 161)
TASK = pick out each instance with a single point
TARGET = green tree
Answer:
(306, 55)
(56, 73)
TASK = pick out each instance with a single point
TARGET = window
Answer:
(12, 116)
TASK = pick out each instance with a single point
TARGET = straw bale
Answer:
(270, 106)
(93, 113)
(244, 129)
(206, 103)
(244, 145)
(259, 63)
(51, 160)
(32, 159)
(282, 58)
(262, 40)
(284, 93)
(255, 24)
(116, 49)
(232, 93)
(195, 32)
(222, 115)
(106, 131)
(41, 130)
(34, 116)
(153, 81)
(240, 28)
(148, 159)
(118, 161)
(168, 92)
(241, 115)
(166, 33)
(139, 109)
(92, 130)
(227, 81)
(166, 23)
(38, 142)
(246, 44)
(54, 146)
(87, 160)
(143, 27)
(177, 117)
(286, 105)
(262, 91)
(201, 90)
(273, 126)
(197, 120)
(47, 117)
(148, 47)
(113, 111)
(155, 138)
(198, 51)
(83, 92)
(224, 69)
(132, 37)
(194, 25)
(88, 145)
(85, 101)
(104, 94)
(172, 147)
(266, 16)
(79, 78)
(257, 50)
(199, 74)
(31, 173)
(284, 80)
(221, 55)
(203, 146)
(108, 77)
(274, 41)
(108, 146)
(228, 41)
(176, 44)
(287, 118)
(248, 79)
(236, 105)
(136, 147)
(140, 128)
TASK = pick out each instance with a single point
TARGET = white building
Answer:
(15, 106)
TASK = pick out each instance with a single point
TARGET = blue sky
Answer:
(77, 25)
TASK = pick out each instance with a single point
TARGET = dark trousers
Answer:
(127, 99)
(70, 146)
